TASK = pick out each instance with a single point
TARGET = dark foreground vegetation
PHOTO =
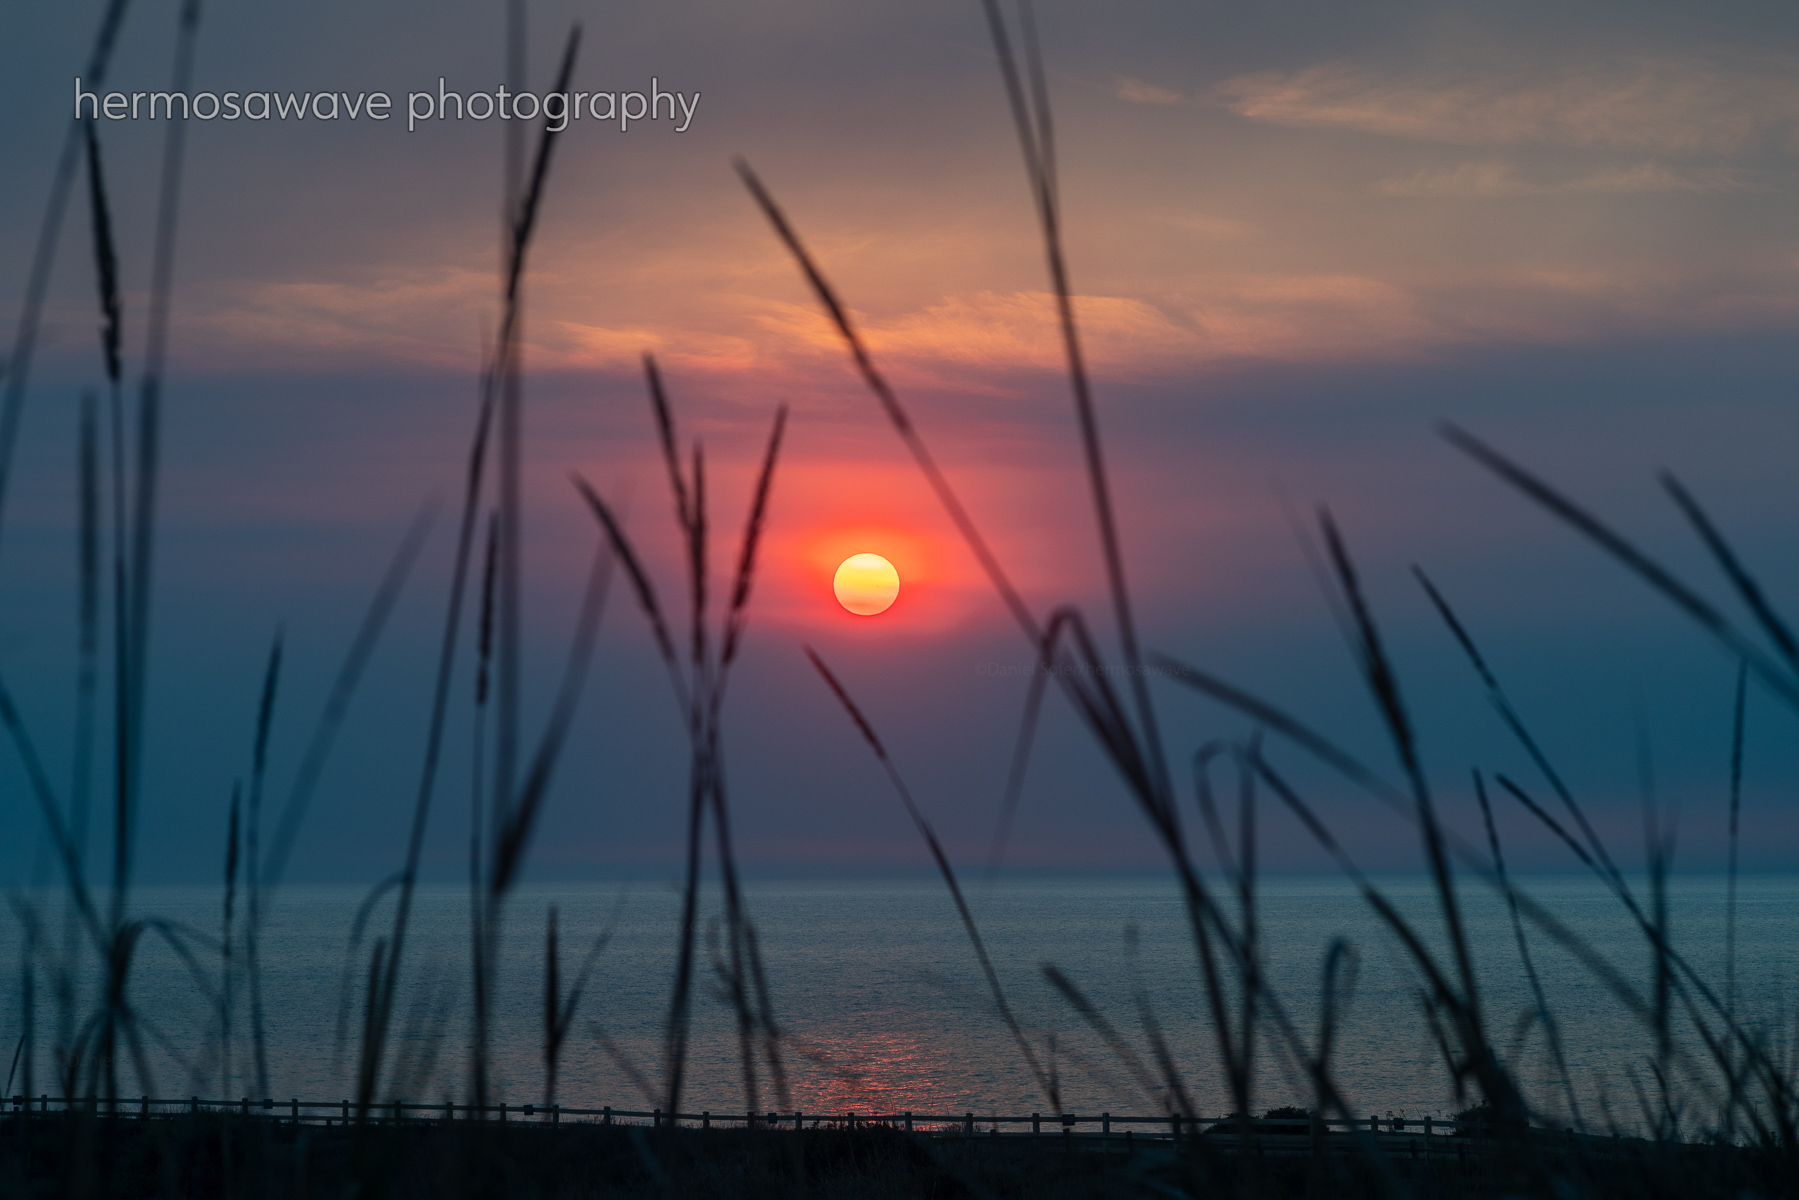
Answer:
(208, 1156)
(1716, 1112)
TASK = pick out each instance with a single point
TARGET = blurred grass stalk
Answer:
(1735, 1071)
(1129, 735)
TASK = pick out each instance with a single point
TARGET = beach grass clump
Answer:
(1715, 1109)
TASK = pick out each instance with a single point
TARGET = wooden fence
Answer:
(1298, 1135)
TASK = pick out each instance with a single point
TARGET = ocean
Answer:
(883, 1007)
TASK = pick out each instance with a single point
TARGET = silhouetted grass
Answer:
(699, 688)
(1701, 1047)
(1225, 952)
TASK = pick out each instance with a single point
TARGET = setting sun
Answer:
(866, 584)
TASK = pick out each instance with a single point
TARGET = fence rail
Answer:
(1276, 1133)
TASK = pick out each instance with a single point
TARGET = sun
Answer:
(866, 584)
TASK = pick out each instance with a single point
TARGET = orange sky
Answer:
(1298, 237)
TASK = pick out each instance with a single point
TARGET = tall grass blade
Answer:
(126, 733)
(552, 1005)
(1175, 1098)
(640, 582)
(476, 899)
(1289, 727)
(1097, 1020)
(50, 810)
(1781, 681)
(149, 412)
(353, 952)
(87, 677)
(1208, 807)
(896, 414)
(1551, 1028)
(106, 260)
(515, 829)
(700, 693)
(678, 1025)
(259, 759)
(1777, 629)
(1021, 761)
(949, 875)
(697, 529)
(746, 557)
(17, 369)
(748, 980)
(1737, 725)
(665, 428)
(440, 698)
(509, 854)
(559, 1010)
(1496, 695)
(506, 377)
(337, 702)
(1252, 953)
(1031, 117)
(1478, 1058)
(88, 637)
(227, 935)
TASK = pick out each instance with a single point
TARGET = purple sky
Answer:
(1301, 235)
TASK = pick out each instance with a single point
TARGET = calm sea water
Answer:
(880, 994)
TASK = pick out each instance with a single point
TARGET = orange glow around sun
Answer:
(866, 584)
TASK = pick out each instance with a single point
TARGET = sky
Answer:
(1300, 235)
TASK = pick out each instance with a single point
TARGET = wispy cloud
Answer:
(967, 336)
(1657, 104)
(1494, 178)
(1138, 92)
(412, 315)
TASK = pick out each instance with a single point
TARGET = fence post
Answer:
(246, 1106)
(502, 1110)
(1105, 1123)
(398, 1115)
(194, 1106)
(706, 1119)
(143, 1113)
(1427, 1131)
(1036, 1124)
(296, 1104)
(908, 1122)
(346, 1112)
(606, 1119)
(556, 1114)
(656, 1119)
(798, 1121)
(968, 1125)
(1174, 1127)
